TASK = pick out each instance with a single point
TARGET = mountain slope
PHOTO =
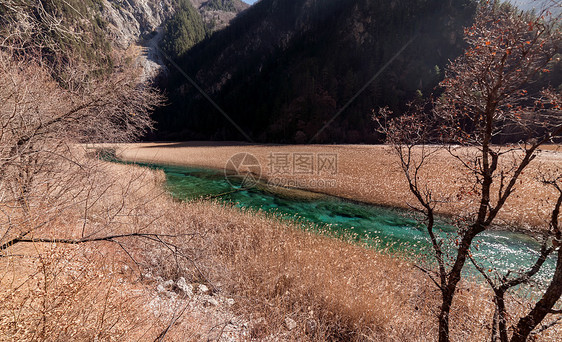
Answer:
(132, 19)
(179, 23)
(283, 69)
(99, 30)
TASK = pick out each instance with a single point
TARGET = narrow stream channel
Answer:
(382, 226)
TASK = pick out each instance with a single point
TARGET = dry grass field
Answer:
(268, 279)
(372, 174)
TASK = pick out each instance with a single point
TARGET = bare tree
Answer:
(44, 113)
(52, 102)
(487, 95)
(551, 241)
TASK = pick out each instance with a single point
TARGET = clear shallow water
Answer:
(379, 226)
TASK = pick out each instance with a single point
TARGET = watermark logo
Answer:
(243, 170)
(302, 163)
(304, 170)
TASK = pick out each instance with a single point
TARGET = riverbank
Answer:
(237, 275)
(225, 274)
(364, 173)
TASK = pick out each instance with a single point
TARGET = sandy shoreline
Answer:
(363, 173)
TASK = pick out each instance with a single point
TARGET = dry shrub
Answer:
(275, 270)
(67, 293)
(54, 284)
(333, 289)
(60, 291)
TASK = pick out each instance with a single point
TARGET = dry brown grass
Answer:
(349, 292)
(68, 293)
(332, 289)
(371, 173)
(61, 292)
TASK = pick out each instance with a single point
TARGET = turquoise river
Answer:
(380, 226)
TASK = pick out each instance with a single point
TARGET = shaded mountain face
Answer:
(283, 69)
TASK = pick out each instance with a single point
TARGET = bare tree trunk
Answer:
(448, 293)
(543, 307)
(502, 324)
(444, 315)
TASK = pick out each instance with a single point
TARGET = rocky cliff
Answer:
(131, 20)
(139, 22)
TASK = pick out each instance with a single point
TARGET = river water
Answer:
(381, 227)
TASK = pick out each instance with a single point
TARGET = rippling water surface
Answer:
(501, 250)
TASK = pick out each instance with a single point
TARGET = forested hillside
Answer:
(183, 30)
(283, 68)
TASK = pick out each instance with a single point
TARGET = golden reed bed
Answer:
(366, 173)
(331, 289)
